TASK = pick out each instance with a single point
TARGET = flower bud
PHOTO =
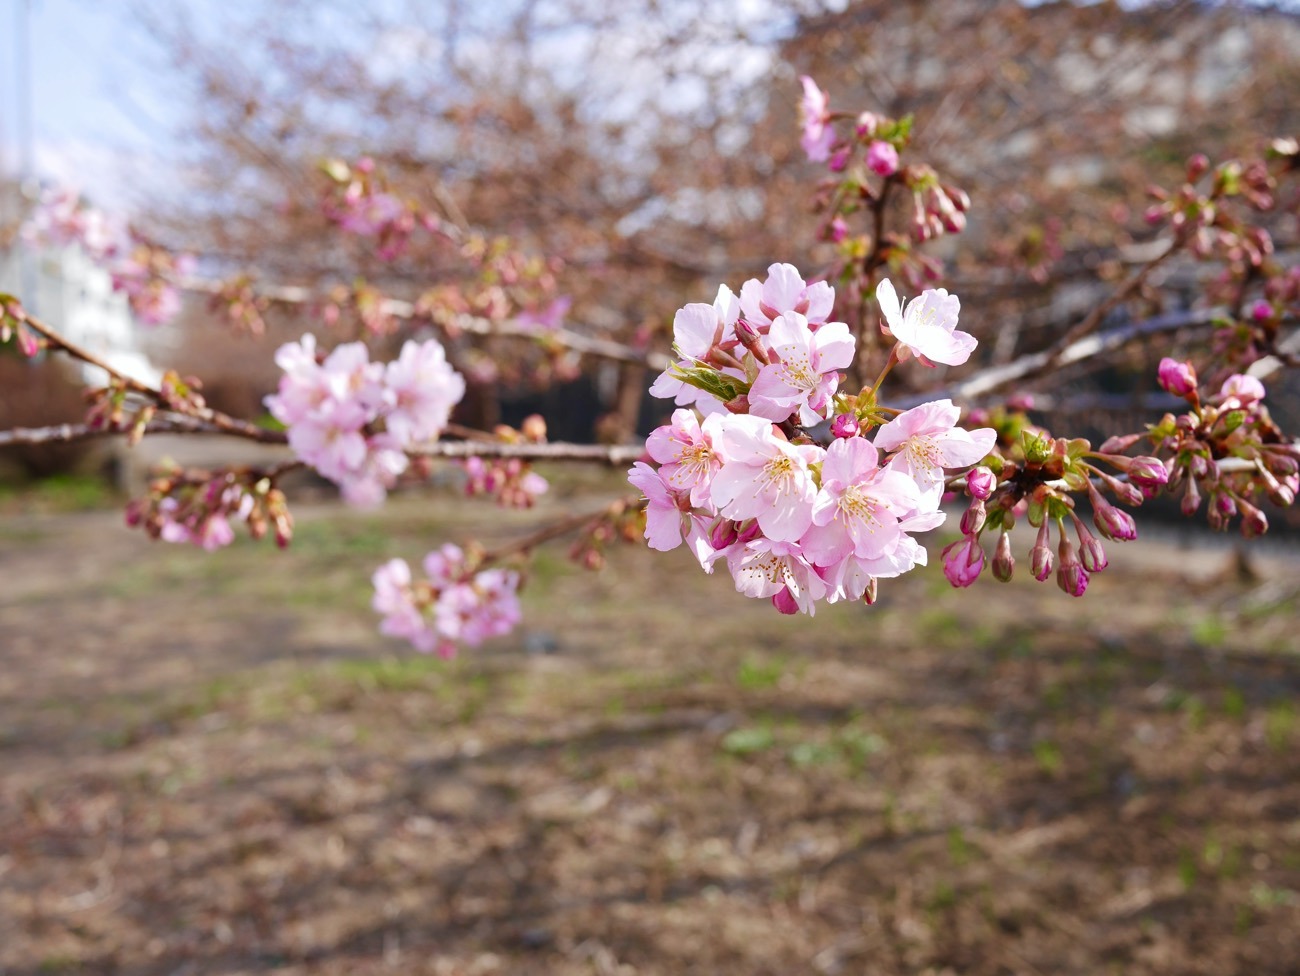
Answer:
(838, 230)
(1040, 557)
(1191, 498)
(723, 534)
(882, 158)
(963, 561)
(534, 428)
(972, 520)
(844, 425)
(866, 125)
(1147, 472)
(839, 160)
(1119, 443)
(1004, 564)
(785, 602)
(1071, 577)
(1178, 378)
(1197, 164)
(980, 482)
(1091, 552)
(1124, 491)
(871, 592)
(1253, 521)
(1114, 524)
(1279, 492)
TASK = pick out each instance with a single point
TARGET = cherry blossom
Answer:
(927, 326)
(784, 290)
(859, 506)
(354, 420)
(804, 375)
(926, 440)
(685, 450)
(817, 135)
(697, 328)
(764, 477)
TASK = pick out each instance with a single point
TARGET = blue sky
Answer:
(98, 121)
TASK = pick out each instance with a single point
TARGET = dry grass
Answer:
(213, 765)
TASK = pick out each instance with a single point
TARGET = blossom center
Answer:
(856, 503)
(923, 452)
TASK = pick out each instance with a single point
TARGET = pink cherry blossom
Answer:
(763, 568)
(927, 326)
(803, 375)
(764, 477)
(1241, 391)
(784, 290)
(684, 448)
(394, 599)
(859, 505)
(813, 109)
(925, 440)
(421, 389)
(666, 522)
(697, 328)
(354, 420)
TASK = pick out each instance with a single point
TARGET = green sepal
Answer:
(1037, 450)
(706, 378)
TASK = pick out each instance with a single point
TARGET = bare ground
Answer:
(213, 764)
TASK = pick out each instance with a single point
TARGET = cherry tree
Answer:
(816, 418)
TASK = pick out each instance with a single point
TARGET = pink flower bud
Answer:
(963, 561)
(1253, 521)
(1071, 577)
(882, 158)
(1261, 311)
(1191, 498)
(1178, 378)
(1118, 444)
(1091, 552)
(784, 601)
(1004, 564)
(1040, 557)
(866, 125)
(1147, 472)
(839, 160)
(723, 534)
(838, 230)
(1020, 401)
(1114, 524)
(980, 482)
(972, 520)
(844, 425)
(870, 593)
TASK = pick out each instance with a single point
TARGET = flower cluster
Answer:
(511, 481)
(143, 271)
(864, 158)
(147, 276)
(201, 508)
(353, 420)
(359, 204)
(1225, 447)
(453, 604)
(62, 217)
(794, 521)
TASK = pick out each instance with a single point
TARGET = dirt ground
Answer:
(214, 765)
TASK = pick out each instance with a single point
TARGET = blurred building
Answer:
(65, 288)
